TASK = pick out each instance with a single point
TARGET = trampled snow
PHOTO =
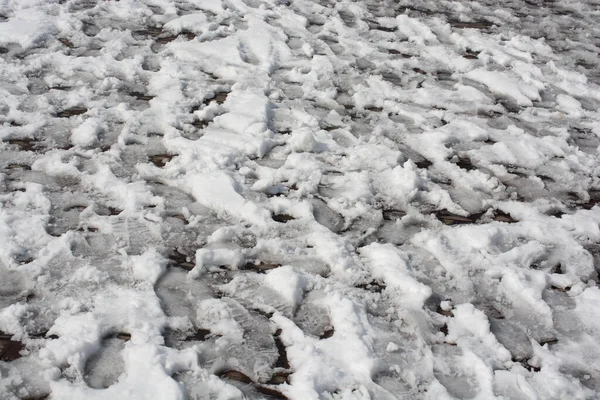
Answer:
(299, 199)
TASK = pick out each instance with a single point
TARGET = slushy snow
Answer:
(299, 199)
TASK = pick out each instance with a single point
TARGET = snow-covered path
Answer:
(273, 199)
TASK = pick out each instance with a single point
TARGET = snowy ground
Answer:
(271, 199)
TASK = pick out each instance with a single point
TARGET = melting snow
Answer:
(272, 199)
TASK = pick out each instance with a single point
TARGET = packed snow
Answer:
(299, 199)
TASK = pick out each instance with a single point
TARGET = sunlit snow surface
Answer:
(246, 199)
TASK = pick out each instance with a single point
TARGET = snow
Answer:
(504, 84)
(251, 199)
(86, 133)
(390, 265)
(288, 283)
(28, 27)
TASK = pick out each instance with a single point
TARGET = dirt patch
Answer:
(465, 163)
(372, 286)
(10, 349)
(25, 144)
(328, 333)
(392, 215)
(453, 219)
(237, 376)
(501, 216)
(71, 112)
(200, 335)
(471, 55)
(160, 160)
(481, 25)
(180, 260)
(141, 96)
(260, 266)
(218, 98)
(283, 218)
(66, 42)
